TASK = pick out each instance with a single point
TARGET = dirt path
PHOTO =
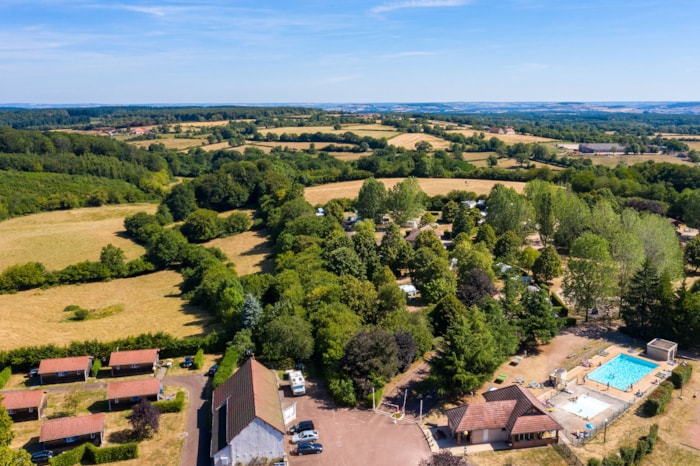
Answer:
(195, 451)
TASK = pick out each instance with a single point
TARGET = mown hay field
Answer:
(613, 160)
(171, 143)
(371, 130)
(507, 138)
(431, 186)
(151, 303)
(61, 238)
(249, 251)
(409, 141)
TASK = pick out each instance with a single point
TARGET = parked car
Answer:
(212, 370)
(305, 436)
(306, 448)
(33, 372)
(187, 363)
(42, 457)
(302, 426)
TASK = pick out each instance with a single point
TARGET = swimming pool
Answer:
(622, 371)
(585, 406)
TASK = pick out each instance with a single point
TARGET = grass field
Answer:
(507, 138)
(151, 303)
(409, 140)
(248, 251)
(371, 130)
(61, 238)
(431, 186)
(172, 143)
(613, 160)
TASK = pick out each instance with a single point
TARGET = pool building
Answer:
(622, 372)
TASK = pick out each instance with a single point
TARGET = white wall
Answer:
(258, 439)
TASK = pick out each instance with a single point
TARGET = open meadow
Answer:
(171, 143)
(409, 141)
(507, 138)
(150, 303)
(64, 237)
(249, 251)
(632, 159)
(431, 186)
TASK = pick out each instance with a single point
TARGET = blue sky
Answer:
(305, 51)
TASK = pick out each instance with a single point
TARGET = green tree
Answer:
(202, 225)
(692, 252)
(492, 160)
(449, 211)
(573, 218)
(10, 457)
(251, 313)
(686, 317)
(527, 257)
(181, 201)
(541, 195)
(6, 432)
(690, 200)
(591, 273)
(467, 357)
(643, 301)
(426, 219)
(429, 239)
(486, 234)
(335, 326)
(537, 322)
(360, 296)
(345, 261)
(446, 311)
(365, 245)
(237, 222)
(395, 251)
(371, 200)
(547, 266)
(405, 200)
(463, 222)
(112, 257)
(509, 211)
(166, 248)
(503, 331)
(508, 247)
(287, 338)
(423, 146)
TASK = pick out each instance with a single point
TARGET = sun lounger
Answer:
(519, 380)
(516, 360)
(603, 353)
(534, 385)
(501, 378)
(661, 375)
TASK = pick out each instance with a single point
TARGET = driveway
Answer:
(354, 437)
(195, 451)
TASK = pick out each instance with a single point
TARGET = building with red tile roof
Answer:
(124, 394)
(26, 405)
(247, 420)
(72, 431)
(133, 361)
(61, 370)
(511, 414)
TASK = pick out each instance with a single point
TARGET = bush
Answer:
(171, 406)
(80, 314)
(657, 401)
(593, 462)
(653, 436)
(96, 366)
(557, 302)
(681, 374)
(643, 449)
(378, 393)
(102, 455)
(198, 362)
(5, 376)
(228, 363)
(342, 390)
(570, 321)
(613, 460)
(628, 455)
(70, 457)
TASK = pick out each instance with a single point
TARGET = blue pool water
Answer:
(622, 371)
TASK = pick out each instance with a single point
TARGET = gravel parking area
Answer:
(353, 437)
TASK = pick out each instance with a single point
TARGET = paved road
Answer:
(195, 451)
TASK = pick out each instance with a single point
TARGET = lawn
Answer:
(61, 238)
(431, 186)
(160, 450)
(151, 303)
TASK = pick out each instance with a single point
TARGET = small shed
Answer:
(410, 290)
(662, 350)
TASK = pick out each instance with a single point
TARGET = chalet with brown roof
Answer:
(247, 420)
(72, 431)
(122, 395)
(511, 414)
(413, 234)
(62, 370)
(27, 405)
(133, 362)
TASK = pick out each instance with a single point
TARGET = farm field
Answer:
(248, 251)
(507, 138)
(293, 145)
(61, 238)
(372, 130)
(613, 160)
(151, 303)
(431, 186)
(409, 140)
(171, 143)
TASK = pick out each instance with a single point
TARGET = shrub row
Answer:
(558, 303)
(5, 376)
(95, 455)
(198, 362)
(681, 374)
(22, 359)
(171, 406)
(630, 456)
(228, 363)
(657, 400)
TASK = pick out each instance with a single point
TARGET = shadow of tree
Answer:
(121, 436)
(101, 406)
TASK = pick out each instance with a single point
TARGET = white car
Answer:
(305, 436)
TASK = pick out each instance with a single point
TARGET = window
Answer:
(92, 435)
(31, 410)
(116, 401)
(70, 439)
(60, 374)
(10, 412)
(117, 367)
(134, 366)
(78, 372)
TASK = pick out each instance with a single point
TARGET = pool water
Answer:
(622, 371)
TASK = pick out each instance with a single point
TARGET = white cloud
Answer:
(417, 4)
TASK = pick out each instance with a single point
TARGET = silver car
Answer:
(305, 436)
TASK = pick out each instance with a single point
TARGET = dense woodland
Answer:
(333, 298)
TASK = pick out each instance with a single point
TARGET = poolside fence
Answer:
(577, 439)
(569, 456)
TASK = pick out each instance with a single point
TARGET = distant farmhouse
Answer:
(601, 148)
